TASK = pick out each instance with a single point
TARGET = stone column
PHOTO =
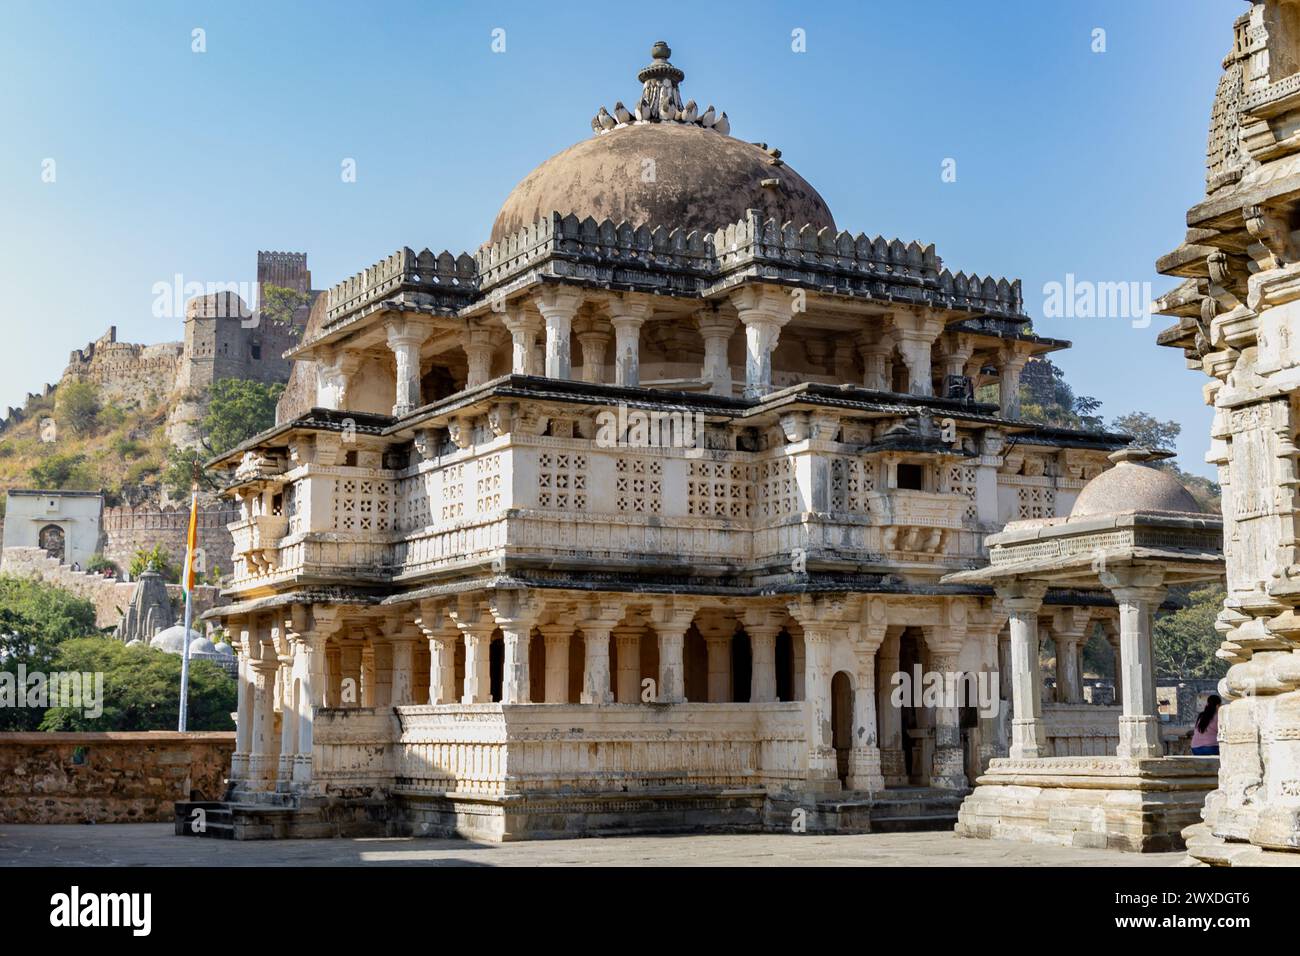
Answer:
(595, 345)
(442, 634)
(876, 370)
(368, 676)
(382, 651)
(893, 764)
(627, 313)
(823, 772)
(261, 764)
(478, 353)
(556, 638)
(288, 718)
(333, 674)
(1138, 591)
(558, 305)
(762, 626)
(1010, 364)
(1023, 599)
(246, 691)
(717, 631)
(948, 769)
(595, 671)
(628, 679)
(1069, 631)
(405, 337)
(865, 769)
(671, 623)
(1111, 633)
(403, 651)
(350, 686)
(312, 682)
(914, 332)
(716, 328)
(523, 327)
(763, 311)
(515, 612)
(476, 626)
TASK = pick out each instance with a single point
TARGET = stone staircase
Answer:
(279, 816)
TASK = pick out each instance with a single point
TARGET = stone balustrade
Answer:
(541, 497)
(494, 749)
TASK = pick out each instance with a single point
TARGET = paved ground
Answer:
(144, 844)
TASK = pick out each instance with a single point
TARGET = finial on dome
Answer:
(661, 100)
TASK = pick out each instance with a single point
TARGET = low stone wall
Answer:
(110, 777)
(111, 598)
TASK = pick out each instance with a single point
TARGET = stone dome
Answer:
(201, 645)
(703, 179)
(224, 649)
(172, 640)
(1131, 486)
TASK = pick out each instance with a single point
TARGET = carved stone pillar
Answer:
(865, 769)
(1010, 364)
(763, 311)
(333, 674)
(595, 345)
(1023, 599)
(876, 367)
(717, 631)
(262, 757)
(442, 634)
(628, 680)
(478, 353)
(405, 337)
(245, 695)
(893, 764)
(523, 327)
(476, 625)
(556, 638)
(915, 333)
(762, 626)
(1138, 592)
(515, 613)
(948, 769)
(558, 306)
(1111, 632)
(671, 623)
(350, 685)
(595, 671)
(627, 313)
(402, 646)
(716, 328)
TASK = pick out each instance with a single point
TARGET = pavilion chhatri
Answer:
(464, 602)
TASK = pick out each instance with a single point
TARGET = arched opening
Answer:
(742, 666)
(51, 540)
(842, 722)
(784, 666)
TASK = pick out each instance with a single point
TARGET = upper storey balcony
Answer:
(528, 477)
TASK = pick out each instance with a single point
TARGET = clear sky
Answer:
(168, 161)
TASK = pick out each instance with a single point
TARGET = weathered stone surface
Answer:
(108, 777)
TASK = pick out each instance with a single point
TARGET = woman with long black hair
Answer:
(1205, 733)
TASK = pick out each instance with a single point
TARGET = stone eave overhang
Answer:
(1189, 545)
(349, 597)
(315, 420)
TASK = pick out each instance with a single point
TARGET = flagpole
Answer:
(189, 610)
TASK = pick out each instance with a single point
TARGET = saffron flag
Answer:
(191, 542)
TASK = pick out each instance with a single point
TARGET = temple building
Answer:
(628, 520)
(1240, 262)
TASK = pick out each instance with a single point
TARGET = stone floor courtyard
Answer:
(154, 844)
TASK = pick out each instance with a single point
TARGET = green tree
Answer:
(35, 619)
(1148, 431)
(153, 559)
(68, 471)
(1184, 641)
(281, 304)
(238, 409)
(184, 465)
(77, 406)
(1061, 408)
(142, 689)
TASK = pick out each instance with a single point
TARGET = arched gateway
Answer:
(603, 508)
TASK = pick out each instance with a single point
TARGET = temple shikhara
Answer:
(628, 521)
(1238, 315)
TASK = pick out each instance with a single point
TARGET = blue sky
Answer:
(169, 161)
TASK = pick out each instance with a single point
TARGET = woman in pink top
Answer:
(1205, 733)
